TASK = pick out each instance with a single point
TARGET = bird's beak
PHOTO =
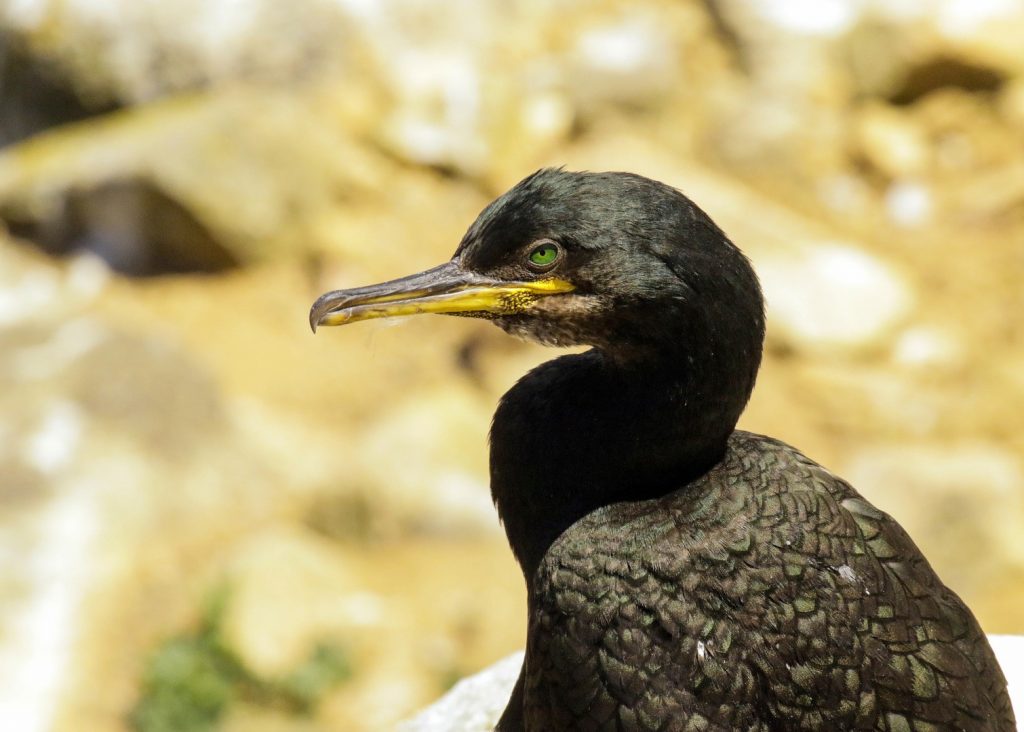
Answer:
(448, 288)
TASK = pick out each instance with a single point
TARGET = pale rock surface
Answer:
(630, 59)
(922, 346)
(909, 203)
(833, 296)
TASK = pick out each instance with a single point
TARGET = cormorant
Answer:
(681, 574)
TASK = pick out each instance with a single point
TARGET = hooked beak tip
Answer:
(321, 308)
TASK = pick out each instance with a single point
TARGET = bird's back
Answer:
(766, 595)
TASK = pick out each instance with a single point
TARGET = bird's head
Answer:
(612, 260)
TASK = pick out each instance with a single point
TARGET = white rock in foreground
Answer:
(1010, 651)
(475, 703)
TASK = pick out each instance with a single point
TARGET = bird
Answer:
(681, 574)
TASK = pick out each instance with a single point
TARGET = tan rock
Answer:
(833, 297)
(961, 502)
(240, 194)
(986, 34)
(1011, 103)
(967, 133)
(891, 141)
(290, 590)
(425, 463)
(909, 203)
(137, 53)
(922, 347)
(631, 59)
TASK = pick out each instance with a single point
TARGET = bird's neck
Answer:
(587, 430)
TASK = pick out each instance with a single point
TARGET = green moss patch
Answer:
(191, 681)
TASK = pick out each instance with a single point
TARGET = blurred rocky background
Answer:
(212, 520)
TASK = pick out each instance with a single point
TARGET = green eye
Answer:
(544, 254)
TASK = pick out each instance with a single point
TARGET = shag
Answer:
(681, 574)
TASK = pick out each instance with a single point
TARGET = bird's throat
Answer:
(585, 431)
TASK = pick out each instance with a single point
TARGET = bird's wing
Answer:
(766, 595)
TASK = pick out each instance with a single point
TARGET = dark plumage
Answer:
(681, 574)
